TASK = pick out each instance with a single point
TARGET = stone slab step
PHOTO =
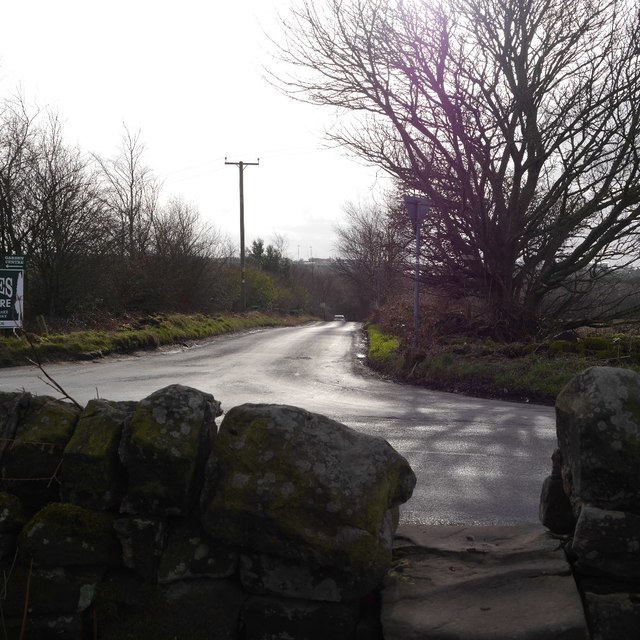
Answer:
(480, 583)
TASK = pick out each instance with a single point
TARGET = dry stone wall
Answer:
(135, 520)
(593, 495)
(146, 520)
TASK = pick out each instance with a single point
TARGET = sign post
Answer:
(418, 209)
(11, 292)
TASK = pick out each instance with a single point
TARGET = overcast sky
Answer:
(189, 76)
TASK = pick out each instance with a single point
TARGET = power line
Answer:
(270, 153)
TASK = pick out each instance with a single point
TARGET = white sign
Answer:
(11, 298)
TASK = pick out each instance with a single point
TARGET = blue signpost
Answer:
(12, 292)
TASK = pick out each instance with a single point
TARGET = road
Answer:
(477, 461)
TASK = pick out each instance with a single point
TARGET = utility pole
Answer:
(241, 166)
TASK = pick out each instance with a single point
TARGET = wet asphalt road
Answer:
(477, 461)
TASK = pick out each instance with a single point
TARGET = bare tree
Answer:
(518, 119)
(178, 232)
(70, 222)
(130, 194)
(280, 243)
(372, 249)
(187, 260)
(17, 151)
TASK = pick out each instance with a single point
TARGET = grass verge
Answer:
(144, 333)
(533, 372)
(384, 350)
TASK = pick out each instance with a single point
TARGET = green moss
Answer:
(254, 438)
(93, 474)
(99, 428)
(148, 434)
(64, 519)
(151, 488)
(238, 447)
(99, 440)
(63, 534)
(144, 428)
(48, 421)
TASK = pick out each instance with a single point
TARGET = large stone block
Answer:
(52, 627)
(142, 541)
(299, 486)
(613, 616)
(202, 609)
(555, 507)
(12, 516)
(190, 553)
(608, 542)
(12, 407)
(51, 590)
(555, 510)
(269, 618)
(12, 519)
(63, 534)
(265, 574)
(598, 427)
(32, 461)
(93, 475)
(164, 449)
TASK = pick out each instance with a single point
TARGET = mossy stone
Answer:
(164, 449)
(47, 627)
(7, 405)
(268, 617)
(296, 485)
(31, 464)
(63, 534)
(203, 609)
(12, 517)
(93, 475)
(52, 590)
(598, 427)
(142, 540)
(190, 553)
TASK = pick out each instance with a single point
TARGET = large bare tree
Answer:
(70, 225)
(130, 196)
(188, 259)
(372, 250)
(130, 193)
(518, 119)
(17, 153)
